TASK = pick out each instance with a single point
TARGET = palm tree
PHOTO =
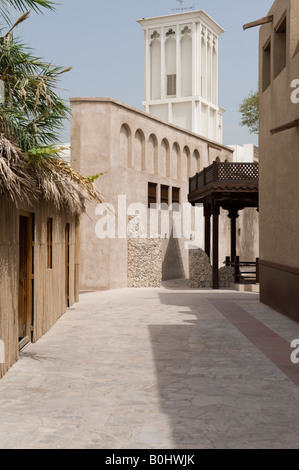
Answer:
(24, 5)
(31, 116)
(32, 112)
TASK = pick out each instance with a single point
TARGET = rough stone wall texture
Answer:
(226, 276)
(144, 262)
(200, 269)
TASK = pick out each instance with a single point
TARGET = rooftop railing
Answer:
(228, 171)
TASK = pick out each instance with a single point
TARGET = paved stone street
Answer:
(157, 368)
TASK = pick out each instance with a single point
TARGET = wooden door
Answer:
(67, 265)
(25, 278)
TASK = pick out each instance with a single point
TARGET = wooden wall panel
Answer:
(49, 284)
(9, 281)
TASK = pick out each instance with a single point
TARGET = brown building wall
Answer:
(279, 166)
(49, 295)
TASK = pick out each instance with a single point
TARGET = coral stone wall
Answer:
(226, 276)
(201, 271)
(144, 262)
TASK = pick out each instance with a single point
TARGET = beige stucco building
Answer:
(279, 157)
(146, 160)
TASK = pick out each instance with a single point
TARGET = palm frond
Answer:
(23, 5)
(31, 118)
(22, 18)
(43, 177)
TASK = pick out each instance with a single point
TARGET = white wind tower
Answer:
(181, 71)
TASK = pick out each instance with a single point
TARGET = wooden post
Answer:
(265, 20)
(227, 261)
(77, 259)
(207, 214)
(257, 270)
(233, 238)
(237, 269)
(216, 212)
(233, 215)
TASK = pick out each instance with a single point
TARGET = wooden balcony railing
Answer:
(245, 272)
(228, 171)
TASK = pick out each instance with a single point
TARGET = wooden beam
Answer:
(23, 342)
(24, 214)
(215, 147)
(233, 215)
(266, 19)
(216, 212)
(285, 127)
(233, 238)
(207, 214)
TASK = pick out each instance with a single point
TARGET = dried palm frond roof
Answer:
(29, 179)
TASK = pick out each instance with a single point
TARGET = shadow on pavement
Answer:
(213, 383)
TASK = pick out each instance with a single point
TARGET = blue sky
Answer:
(104, 44)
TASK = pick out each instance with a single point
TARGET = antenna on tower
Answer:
(182, 8)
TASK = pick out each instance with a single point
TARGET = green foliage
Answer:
(249, 110)
(32, 113)
(93, 178)
(46, 151)
(36, 155)
(22, 6)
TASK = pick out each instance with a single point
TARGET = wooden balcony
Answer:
(222, 178)
(228, 186)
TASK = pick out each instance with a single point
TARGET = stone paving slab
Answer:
(156, 369)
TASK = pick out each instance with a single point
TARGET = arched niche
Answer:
(155, 58)
(175, 161)
(125, 146)
(185, 164)
(195, 162)
(186, 62)
(164, 158)
(170, 63)
(139, 151)
(152, 154)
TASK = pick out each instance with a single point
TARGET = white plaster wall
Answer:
(182, 115)
(204, 120)
(243, 153)
(212, 126)
(159, 111)
(209, 71)
(203, 68)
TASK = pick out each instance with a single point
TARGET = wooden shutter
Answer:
(152, 194)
